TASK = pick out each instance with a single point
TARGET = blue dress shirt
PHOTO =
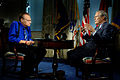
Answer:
(13, 32)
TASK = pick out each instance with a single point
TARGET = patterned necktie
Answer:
(96, 29)
(25, 34)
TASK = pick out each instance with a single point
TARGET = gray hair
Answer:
(103, 13)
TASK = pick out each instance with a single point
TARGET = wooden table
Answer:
(55, 44)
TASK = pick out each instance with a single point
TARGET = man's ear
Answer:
(21, 20)
(104, 18)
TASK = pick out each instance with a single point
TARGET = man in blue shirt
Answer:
(20, 34)
(24, 27)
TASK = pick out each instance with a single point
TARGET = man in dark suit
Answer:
(103, 34)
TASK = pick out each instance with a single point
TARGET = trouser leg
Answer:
(75, 56)
(33, 56)
(38, 54)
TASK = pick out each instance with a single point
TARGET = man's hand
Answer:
(29, 42)
(89, 27)
(83, 30)
(26, 42)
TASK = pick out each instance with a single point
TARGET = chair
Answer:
(94, 68)
(12, 57)
(15, 57)
(6, 54)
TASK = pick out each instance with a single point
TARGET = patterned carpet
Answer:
(44, 67)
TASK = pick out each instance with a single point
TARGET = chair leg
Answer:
(36, 68)
(85, 72)
(22, 66)
(85, 75)
(77, 71)
(3, 66)
(16, 63)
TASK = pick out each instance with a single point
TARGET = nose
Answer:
(30, 22)
(94, 18)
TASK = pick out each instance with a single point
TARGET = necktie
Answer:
(96, 29)
(25, 34)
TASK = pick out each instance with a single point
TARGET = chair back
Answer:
(117, 42)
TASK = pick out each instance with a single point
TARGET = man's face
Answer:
(98, 19)
(26, 20)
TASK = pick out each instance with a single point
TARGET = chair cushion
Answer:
(88, 60)
(11, 55)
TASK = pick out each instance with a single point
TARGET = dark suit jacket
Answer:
(102, 40)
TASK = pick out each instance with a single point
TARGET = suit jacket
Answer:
(102, 40)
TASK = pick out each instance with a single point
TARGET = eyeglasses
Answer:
(96, 16)
(27, 20)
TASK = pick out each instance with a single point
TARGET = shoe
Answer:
(32, 76)
(26, 74)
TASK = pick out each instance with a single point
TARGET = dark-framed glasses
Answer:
(27, 20)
